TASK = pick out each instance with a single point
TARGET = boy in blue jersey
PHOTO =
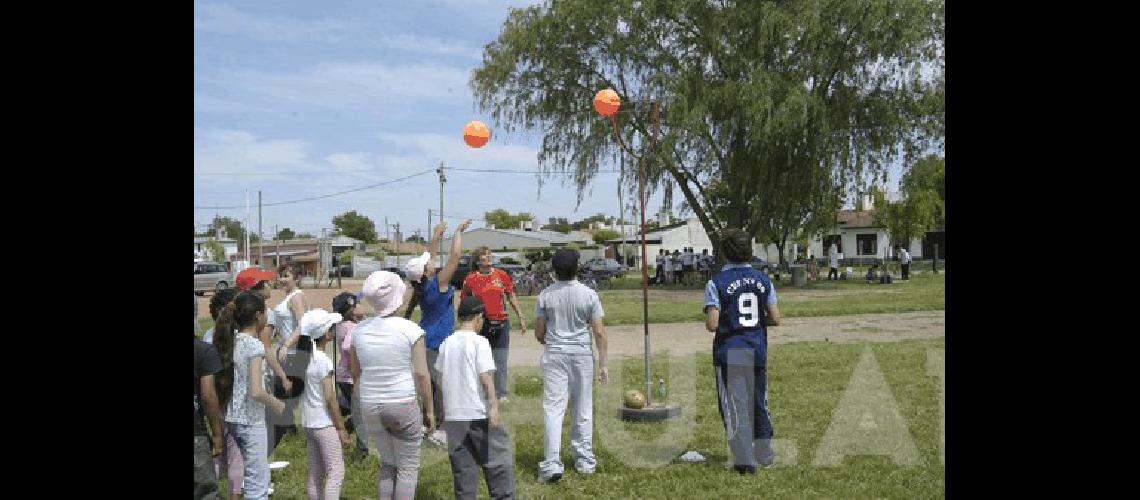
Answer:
(740, 303)
(437, 306)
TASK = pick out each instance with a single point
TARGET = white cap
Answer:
(316, 323)
(414, 269)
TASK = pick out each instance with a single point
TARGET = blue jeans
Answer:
(254, 444)
(500, 346)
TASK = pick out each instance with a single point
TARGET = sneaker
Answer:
(583, 469)
(765, 455)
(270, 492)
(503, 399)
(438, 438)
(551, 479)
(744, 469)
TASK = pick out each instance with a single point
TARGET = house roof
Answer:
(856, 218)
(203, 239)
(553, 237)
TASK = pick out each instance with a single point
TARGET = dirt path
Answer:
(688, 338)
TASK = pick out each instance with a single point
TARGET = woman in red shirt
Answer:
(490, 285)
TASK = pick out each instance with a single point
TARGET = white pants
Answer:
(566, 376)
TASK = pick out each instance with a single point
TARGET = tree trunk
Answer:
(780, 249)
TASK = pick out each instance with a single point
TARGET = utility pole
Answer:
(277, 254)
(246, 227)
(260, 238)
(442, 181)
(397, 226)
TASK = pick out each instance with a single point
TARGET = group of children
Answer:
(260, 361)
(683, 266)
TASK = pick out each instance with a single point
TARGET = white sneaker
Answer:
(270, 490)
(438, 438)
(504, 400)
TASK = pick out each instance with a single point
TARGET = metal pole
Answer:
(247, 227)
(935, 258)
(277, 256)
(644, 266)
(442, 180)
(260, 238)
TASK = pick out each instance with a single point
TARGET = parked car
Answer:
(345, 271)
(461, 271)
(610, 266)
(760, 264)
(211, 276)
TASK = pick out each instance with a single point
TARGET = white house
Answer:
(229, 244)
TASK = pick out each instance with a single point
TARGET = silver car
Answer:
(211, 276)
(611, 266)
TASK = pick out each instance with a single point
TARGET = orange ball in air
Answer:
(607, 102)
(476, 134)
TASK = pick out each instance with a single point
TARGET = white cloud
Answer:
(226, 20)
(367, 87)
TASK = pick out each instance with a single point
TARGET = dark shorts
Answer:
(688, 268)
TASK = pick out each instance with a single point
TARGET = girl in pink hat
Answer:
(389, 369)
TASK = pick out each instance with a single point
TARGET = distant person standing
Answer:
(812, 267)
(660, 276)
(688, 264)
(704, 264)
(678, 267)
(904, 261)
(833, 262)
(667, 267)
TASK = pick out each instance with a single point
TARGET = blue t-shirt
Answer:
(739, 292)
(437, 317)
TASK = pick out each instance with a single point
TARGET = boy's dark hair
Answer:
(565, 264)
(736, 245)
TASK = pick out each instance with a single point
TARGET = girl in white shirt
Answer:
(286, 316)
(389, 368)
(320, 413)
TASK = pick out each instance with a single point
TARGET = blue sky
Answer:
(302, 99)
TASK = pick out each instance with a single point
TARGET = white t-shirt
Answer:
(462, 357)
(384, 350)
(314, 413)
(667, 263)
(209, 336)
(687, 258)
(833, 256)
(905, 257)
(283, 321)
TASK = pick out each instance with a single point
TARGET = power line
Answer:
(335, 172)
(432, 170)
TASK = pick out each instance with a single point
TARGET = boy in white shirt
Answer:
(476, 437)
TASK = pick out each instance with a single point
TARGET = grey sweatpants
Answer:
(565, 377)
(474, 444)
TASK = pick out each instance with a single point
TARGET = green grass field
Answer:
(636, 460)
(923, 292)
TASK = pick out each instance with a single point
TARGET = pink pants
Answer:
(325, 462)
(231, 459)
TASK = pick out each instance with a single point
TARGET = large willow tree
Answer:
(772, 111)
